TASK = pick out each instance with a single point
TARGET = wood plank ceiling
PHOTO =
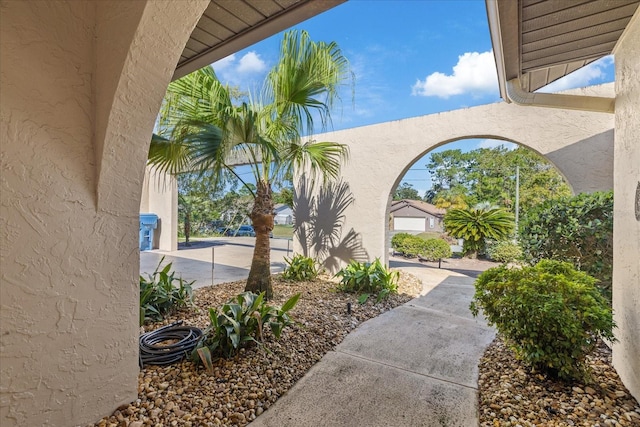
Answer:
(228, 26)
(540, 41)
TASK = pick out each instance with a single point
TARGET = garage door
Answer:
(408, 224)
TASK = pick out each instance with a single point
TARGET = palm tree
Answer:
(475, 226)
(200, 128)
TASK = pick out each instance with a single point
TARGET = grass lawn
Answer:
(283, 231)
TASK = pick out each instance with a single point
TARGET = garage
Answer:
(416, 215)
(409, 224)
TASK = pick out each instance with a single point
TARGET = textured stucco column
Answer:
(578, 143)
(160, 196)
(81, 84)
(626, 219)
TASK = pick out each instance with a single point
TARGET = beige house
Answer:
(81, 85)
(416, 215)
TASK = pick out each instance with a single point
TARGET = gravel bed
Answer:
(511, 395)
(240, 389)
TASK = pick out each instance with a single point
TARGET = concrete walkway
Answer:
(415, 365)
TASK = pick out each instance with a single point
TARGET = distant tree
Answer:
(406, 191)
(488, 175)
(475, 226)
(450, 200)
(284, 196)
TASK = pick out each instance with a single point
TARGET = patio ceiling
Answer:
(539, 41)
(228, 26)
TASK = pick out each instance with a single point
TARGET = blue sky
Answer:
(410, 58)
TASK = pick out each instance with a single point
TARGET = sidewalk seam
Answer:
(405, 370)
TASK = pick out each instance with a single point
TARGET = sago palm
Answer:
(200, 128)
(475, 226)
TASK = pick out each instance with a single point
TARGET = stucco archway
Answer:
(82, 83)
(574, 141)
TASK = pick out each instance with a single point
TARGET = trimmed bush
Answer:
(412, 246)
(504, 251)
(434, 249)
(550, 314)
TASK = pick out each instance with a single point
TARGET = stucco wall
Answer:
(160, 196)
(626, 221)
(81, 84)
(574, 141)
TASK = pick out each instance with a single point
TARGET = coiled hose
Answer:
(153, 353)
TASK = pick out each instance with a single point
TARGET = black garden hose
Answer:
(152, 352)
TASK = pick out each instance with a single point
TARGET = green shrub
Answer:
(160, 296)
(434, 249)
(241, 321)
(368, 278)
(399, 242)
(575, 229)
(550, 314)
(300, 268)
(504, 251)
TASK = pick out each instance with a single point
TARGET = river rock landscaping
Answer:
(242, 388)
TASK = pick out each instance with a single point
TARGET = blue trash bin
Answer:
(148, 223)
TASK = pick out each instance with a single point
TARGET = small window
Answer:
(432, 223)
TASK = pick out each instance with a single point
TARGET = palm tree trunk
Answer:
(262, 220)
(187, 228)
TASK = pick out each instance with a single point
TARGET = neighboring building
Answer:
(283, 214)
(416, 215)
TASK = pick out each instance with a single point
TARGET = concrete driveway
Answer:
(230, 258)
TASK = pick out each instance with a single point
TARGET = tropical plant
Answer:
(242, 320)
(368, 278)
(504, 251)
(300, 268)
(576, 229)
(160, 296)
(200, 128)
(475, 226)
(550, 314)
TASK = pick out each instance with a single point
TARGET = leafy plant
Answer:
(550, 314)
(160, 296)
(475, 226)
(368, 278)
(575, 229)
(239, 322)
(504, 251)
(300, 268)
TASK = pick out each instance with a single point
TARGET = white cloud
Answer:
(246, 72)
(224, 63)
(494, 143)
(586, 76)
(475, 74)
(251, 63)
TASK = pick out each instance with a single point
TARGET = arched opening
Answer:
(469, 173)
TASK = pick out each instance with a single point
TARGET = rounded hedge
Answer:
(550, 314)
